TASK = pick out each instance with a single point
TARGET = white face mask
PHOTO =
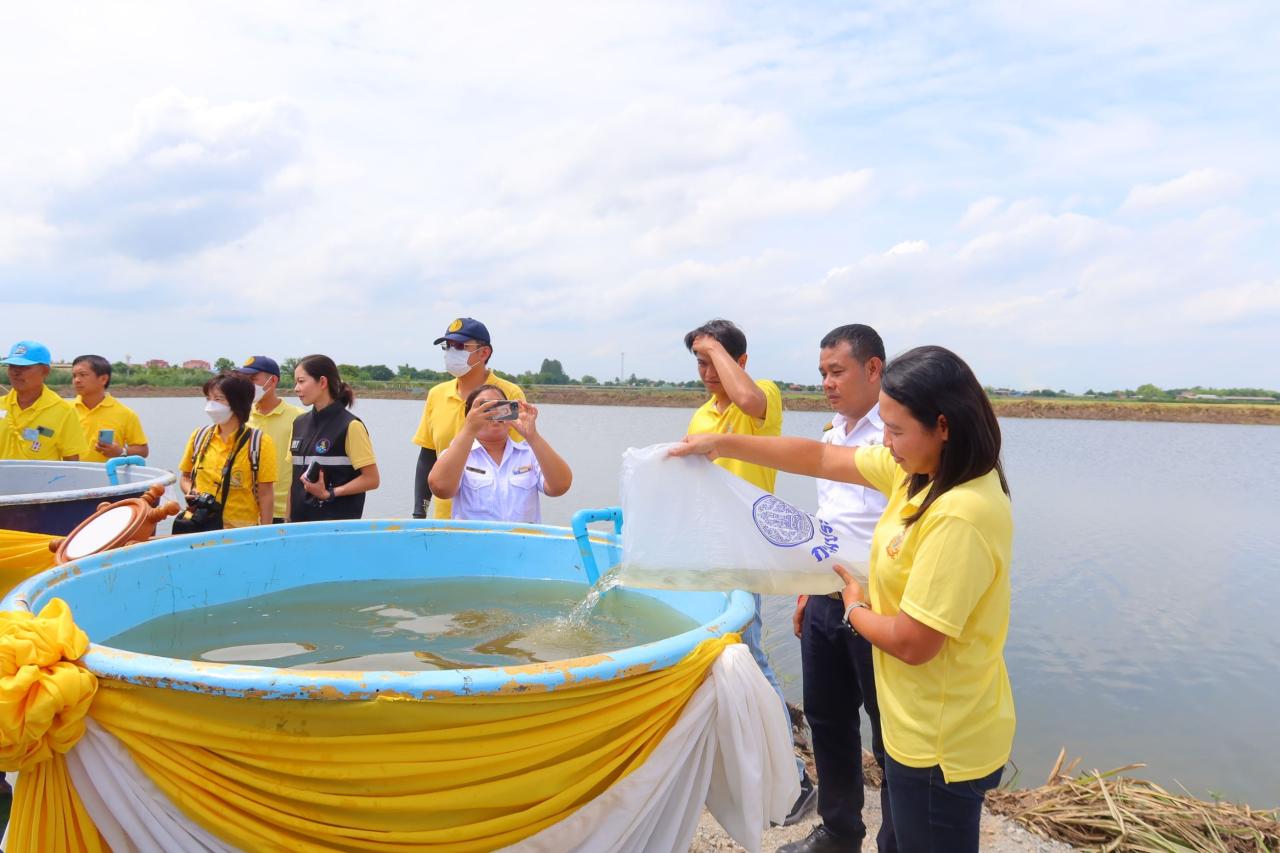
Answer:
(456, 361)
(219, 413)
(258, 391)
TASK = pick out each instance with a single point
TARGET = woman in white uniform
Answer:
(491, 477)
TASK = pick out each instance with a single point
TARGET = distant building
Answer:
(197, 364)
(157, 362)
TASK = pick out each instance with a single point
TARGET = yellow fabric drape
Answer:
(44, 697)
(451, 773)
(22, 555)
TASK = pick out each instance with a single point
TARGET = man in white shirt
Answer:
(836, 662)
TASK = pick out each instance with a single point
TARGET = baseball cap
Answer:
(465, 329)
(26, 353)
(259, 364)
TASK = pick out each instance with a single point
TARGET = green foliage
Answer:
(224, 365)
(377, 372)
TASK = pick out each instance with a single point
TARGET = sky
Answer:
(1069, 195)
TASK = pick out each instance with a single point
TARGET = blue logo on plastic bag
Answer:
(780, 522)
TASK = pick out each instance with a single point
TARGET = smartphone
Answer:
(506, 410)
(312, 473)
(107, 436)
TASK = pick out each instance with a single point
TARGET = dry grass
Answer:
(1109, 811)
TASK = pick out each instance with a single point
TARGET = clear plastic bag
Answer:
(690, 524)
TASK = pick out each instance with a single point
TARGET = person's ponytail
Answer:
(318, 366)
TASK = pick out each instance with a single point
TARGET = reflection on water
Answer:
(1145, 593)
(431, 625)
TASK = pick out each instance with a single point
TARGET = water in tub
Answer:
(411, 625)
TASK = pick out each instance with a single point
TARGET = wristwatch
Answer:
(849, 610)
(331, 494)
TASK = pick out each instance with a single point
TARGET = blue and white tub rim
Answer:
(262, 682)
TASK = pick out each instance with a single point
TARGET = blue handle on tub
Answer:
(113, 464)
(581, 519)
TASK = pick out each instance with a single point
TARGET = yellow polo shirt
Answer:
(950, 571)
(442, 417)
(47, 429)
(733, 420)
(278, 423)
(241, 509)
(109, 414)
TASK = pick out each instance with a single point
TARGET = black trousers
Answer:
(838, 680)
(932, 815)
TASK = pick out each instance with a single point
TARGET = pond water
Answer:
(409, 625)
(1146, 576)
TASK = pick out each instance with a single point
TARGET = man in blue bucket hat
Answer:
(36, 423)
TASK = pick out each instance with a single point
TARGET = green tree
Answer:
(350, 372)
(378, 372)
(551, 373)
(588, 379)
(224, 365)
(1151, 391)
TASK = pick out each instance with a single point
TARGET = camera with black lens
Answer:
(203, 513)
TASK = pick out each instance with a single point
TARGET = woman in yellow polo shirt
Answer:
(938, 611)
(248, 494)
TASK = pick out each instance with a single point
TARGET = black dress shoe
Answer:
(822, 840)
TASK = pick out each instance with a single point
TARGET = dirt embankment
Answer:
(1221, 413)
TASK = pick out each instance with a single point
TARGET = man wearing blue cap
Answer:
(36, 423)
(467, 350)
(274, 417)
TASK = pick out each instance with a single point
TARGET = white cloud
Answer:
(986, 177)
(187, 175)
(908, 247)
(1196, 189)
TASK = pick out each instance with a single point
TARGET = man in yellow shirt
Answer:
(743, 406)
(36, 423)
(110, 428)
(467, 350)
(275, 418)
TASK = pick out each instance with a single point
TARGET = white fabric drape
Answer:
(130, 811)
(730, 749)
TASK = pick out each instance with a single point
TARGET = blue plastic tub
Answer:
(53, 497)
(112, 592)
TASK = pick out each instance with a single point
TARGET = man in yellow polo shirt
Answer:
(467, 349)
(36, 423)
(744, 406)
(110, 427)
(275, 418)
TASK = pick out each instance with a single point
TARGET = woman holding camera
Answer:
(937, 612)
(333, 461)
(221, 476)
(489, 476)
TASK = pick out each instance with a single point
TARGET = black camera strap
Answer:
(242, 438)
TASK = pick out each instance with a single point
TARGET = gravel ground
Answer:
(999, 834)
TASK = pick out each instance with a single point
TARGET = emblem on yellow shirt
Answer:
(455, 325)
(894, 548)
(237, 480)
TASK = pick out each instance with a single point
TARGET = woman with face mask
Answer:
(229, 460)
